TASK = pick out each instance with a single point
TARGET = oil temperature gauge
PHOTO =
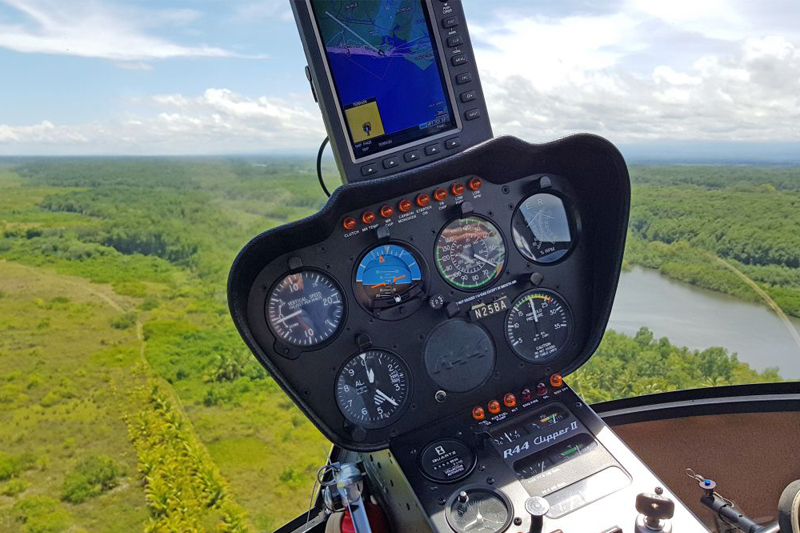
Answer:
(479, 509)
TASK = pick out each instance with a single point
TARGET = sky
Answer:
(204, 77)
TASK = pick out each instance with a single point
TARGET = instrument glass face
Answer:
(541, 228)
(548, 418)
(470, 253)
(388, 276)
(538, 326)
(373, 388)
(533, 466)
(305, 309)
(484, 511)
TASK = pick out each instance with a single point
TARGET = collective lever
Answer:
(537, 507)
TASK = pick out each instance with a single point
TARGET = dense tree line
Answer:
(626, 366)
(748, 216)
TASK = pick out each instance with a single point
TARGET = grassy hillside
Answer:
(128, 401)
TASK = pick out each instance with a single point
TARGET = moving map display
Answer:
(386, 71)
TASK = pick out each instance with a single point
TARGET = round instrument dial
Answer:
(479, 510)
(305, 309)
(470, 253)
(373, 388)
(387, 277)
(538, 326)
(541, 228)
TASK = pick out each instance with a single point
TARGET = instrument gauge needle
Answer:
(289, 317)
(533, 309)
(370, 372)
(479, 258)
(387, 398)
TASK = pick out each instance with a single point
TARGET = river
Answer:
(698, 318)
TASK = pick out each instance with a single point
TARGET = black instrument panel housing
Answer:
(585, 170)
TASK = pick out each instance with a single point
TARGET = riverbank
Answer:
(700, 319)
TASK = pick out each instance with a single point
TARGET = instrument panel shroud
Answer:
(599, 183)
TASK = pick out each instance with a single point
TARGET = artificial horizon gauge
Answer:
(387, 277)
(373, 388)
(541, 228)
(305, 309)
(470, 253)
(538, 326)
(479, 509)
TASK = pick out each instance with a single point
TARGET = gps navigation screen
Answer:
(386, 71)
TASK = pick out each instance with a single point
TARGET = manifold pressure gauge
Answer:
(373, 388)
(539, 326)
(305, 309)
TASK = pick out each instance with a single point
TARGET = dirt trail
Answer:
(766, 297)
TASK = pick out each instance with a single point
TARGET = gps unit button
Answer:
(460, 59)
(369, 170)
(473, 114)
(410, 157)
(450, 22)
(433, 149)
(469, 96)
(466, 77)
(391, 163)
(451, 144)
(455, 40)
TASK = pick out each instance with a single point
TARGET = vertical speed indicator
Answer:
(305, 309)
(538, 326)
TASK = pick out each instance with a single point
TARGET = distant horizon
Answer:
(192, 77)
(675, 152)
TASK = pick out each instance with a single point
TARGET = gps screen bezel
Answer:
(441, 64)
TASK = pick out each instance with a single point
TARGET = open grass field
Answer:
(64, 373)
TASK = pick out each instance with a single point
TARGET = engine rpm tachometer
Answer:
(470, 253)
(373, 388)
(538, 326)
(305, 309)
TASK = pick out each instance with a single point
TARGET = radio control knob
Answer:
(436, 301)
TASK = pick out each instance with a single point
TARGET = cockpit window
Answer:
(143, 144)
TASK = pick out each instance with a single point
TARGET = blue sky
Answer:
(226, 76)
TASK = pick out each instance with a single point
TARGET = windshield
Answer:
(142, 144)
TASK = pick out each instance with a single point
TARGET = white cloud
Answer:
(652, 71)
(262, 10)
(218, 121)
(89, 28)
